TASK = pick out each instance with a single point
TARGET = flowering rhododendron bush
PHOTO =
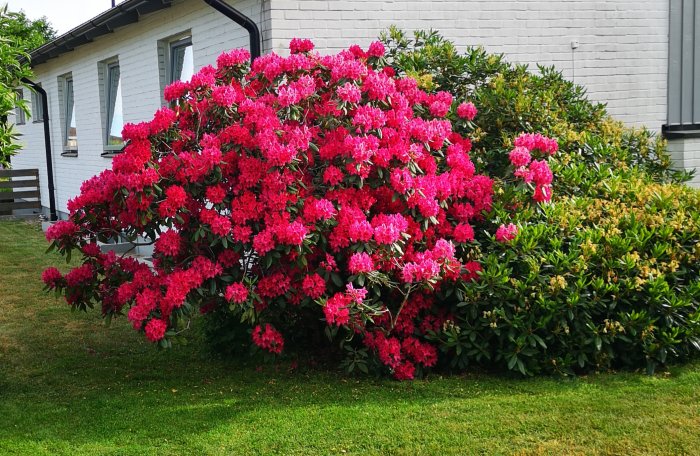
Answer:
(303, 194)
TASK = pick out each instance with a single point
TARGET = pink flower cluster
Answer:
(268, 338)
(300, 187)
(532, 171)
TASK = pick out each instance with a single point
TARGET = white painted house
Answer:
(641, 57)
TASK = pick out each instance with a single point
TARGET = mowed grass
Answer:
(71, 385)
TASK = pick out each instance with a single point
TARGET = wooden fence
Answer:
(19, 190)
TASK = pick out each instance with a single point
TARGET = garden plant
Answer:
(395, 209)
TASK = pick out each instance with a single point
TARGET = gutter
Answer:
(47, 144)
(118, 16)
(242, 20)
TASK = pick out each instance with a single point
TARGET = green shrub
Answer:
(590, 283)
(606, 275)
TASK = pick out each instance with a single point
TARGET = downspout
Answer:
(242, 20)
(47, 144)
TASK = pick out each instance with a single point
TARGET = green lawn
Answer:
(70, 385)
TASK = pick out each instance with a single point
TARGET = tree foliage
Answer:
(18, 35)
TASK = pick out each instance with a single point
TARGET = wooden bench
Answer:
(23, 193)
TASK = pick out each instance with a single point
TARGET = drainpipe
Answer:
(47, 143)
(242, 20)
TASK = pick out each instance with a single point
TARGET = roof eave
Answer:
(121, 15)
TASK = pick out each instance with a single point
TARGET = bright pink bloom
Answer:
(360, 263)
(463, 233)
(506, 233)
(80, 275)
(52, 277)
(237, 293)
(336, 310)
(313, 286)
(268, 338)
(520, 156)
(233, 58)
(467, 111)
(155, 329)
(349, 93)
(376, 49)
(60, 230)
(299, 45)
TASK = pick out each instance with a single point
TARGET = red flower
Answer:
(467, 111)
(268, 338)
(336, 310)
(314, 286)
(298, 45)
(506, 233)
(237, 293)
(360, 263)
(52, 277)
(169, 243)
(155, 329)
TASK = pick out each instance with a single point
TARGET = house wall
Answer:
(685, 153)
(136, 48)
(621, 58)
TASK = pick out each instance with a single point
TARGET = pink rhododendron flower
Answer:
(360, 263)
(376, 49)
(236, 292)
(467, 111)
(298, 45)
(51, 277)
(336, 310)
(155, 329)
(349, 93)
(268, 338)
(520, 156)
(506, 233)
(314, 286)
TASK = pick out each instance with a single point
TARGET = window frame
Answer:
(66, 81)
(166, 51)
(37, 107)
(20, 115)
(182, 43)
(106, 102)
(683, 89)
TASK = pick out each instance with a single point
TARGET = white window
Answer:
(37, 107)
(20, 117)
(114, 116)
(69, 125)
(684, 67)
(181, 60)
(175, 59)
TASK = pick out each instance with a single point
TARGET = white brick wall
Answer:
(136, 47)
(622, 58)
(686, 154)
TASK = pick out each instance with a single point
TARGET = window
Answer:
(20, 117)
(69, 125)
(37, 107)
(181, 60)
(176, 59)
(684, 66)
(114, 118)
